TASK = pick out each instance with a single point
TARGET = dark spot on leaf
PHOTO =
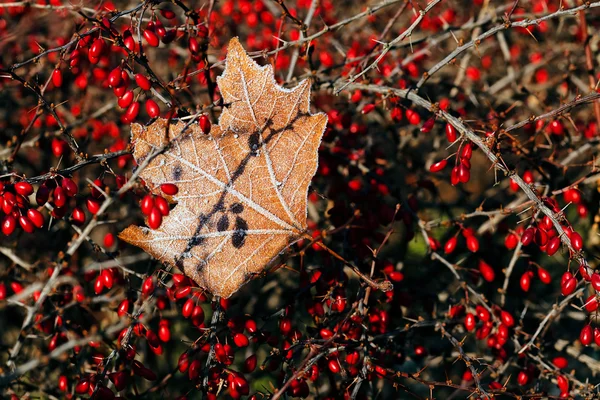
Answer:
(196, 241)
(239, 236)
(202, 219)
(236, 208)
(223, 223)
(177, 171)
(253, 142)
(200, 266)
(220, 206)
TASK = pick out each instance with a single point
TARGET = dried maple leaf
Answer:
(242, 188)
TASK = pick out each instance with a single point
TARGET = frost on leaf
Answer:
(242, 188)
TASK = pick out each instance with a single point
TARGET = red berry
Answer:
(553, 245)
(334, 365)
(450, 245)
(204, 123)
(482, 313)
(69, 187)
(109, 240)
(523, 378)
(143, 82)
(188, 308)
(151, 37)
(23, 188)
(595, 279)
(63, 383)
(99, 284)
(169, 189)
(470, 322)
(464, 174)
(473, 244)
(152, 108)
(26, 224)
(119, 379)
(576, 241)
(586, 335)
(428, 125)
(240, 340)
(115, 78)
(511, 241)
(544, 275)
(450, 133)
(438, 166)
(560, 362)
(466, 151)
(162, 205)
(557, 128)
(123, 308)
(82, 386)
(193, 45)
(528, 236)
(35, 217)
(507, 318)
(60, 197)
(57, 78)
(413, 117)
(96, 48)
(591, 304)
(487, 272)
(164, 332)
(473, 74)
(42, 195)
(155, 218)
(78, 216)
(148, 286)
(568, 286)
(126, 100)
(147, 204)
(525, 281)
(93, 206)
(563, 383)
(132, 112)
(107, 276)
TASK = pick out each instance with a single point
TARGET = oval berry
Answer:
(553, 246)
(151, 37)
(35, 217)
(576, 241)
(169, 189)
(487, 272)
(204, 123)
(438, 166)
(152, 108)
(450, 245)
(23, 188)
(57, 78)
(155, 218)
